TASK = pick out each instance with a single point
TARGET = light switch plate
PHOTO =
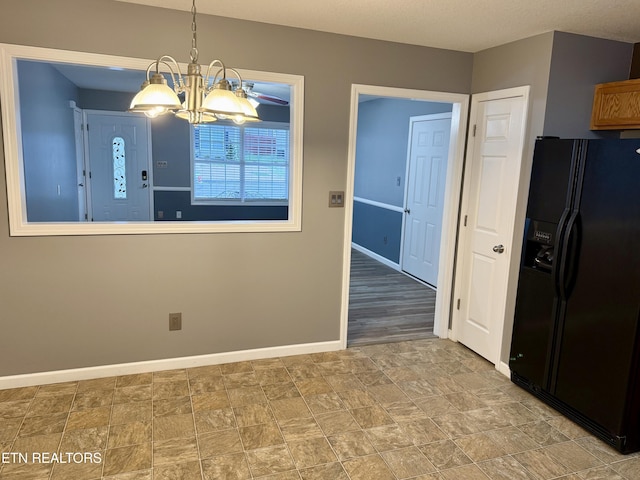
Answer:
(336, 199)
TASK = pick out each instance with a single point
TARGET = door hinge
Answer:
(89, 174)
(474, 130)
(458, 305)
(465, 220)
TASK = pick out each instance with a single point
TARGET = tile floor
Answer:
(423, 410)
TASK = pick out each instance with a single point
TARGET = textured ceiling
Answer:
(464, 25)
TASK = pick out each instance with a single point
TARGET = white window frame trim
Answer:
(14, 166)
(233, 202)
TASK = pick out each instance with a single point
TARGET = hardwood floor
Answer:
(386, 305)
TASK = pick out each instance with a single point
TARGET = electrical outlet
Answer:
(175, 321)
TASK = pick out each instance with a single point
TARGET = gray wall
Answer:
(94, 300)
(381, 159)
(578, 63)
(49, 153)
(525, 62)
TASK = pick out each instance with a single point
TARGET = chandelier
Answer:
(206, 99)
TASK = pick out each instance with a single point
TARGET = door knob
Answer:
(407, 210)
(498, 248)
(144, 185)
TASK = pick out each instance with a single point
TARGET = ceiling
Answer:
(463, 25)
(129, 81)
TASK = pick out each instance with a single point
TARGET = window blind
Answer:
(242, 163)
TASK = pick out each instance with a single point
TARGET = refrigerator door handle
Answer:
(570, 249)
(560, 251)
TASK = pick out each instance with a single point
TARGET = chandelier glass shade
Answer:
(155, 97)
(206, 98)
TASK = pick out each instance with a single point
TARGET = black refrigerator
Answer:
(576, 332)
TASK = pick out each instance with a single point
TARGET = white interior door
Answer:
(119, 166)
(492, 174)
(426, 177)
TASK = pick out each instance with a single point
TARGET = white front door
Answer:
(119, 167)
(492, 174)
(426, 176)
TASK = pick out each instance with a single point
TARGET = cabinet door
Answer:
(616, 106)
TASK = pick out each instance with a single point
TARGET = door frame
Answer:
(515, 233)
(78, 129)
(87, 157)
(412, 120)
(453, 185)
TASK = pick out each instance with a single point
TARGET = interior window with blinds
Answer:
(241, 163)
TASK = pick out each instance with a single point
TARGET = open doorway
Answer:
(386, 305)
(376, 195)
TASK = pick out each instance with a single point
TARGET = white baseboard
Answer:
(504, 369)
(377, 257)
(75, 374)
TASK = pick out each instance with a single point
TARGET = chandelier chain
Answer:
(194, 38)
(202, 102)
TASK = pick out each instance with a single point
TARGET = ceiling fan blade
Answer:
(267, 98)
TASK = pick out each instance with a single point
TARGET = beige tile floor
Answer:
(423, 410)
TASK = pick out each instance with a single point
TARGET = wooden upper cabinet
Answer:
(616, 106)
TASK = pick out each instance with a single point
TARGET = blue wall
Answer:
(381, 163)
(48, 143)
(378, 230)
(170, 138)
(170, 145)
(104, 100)
(168, 202)
(381, 146)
